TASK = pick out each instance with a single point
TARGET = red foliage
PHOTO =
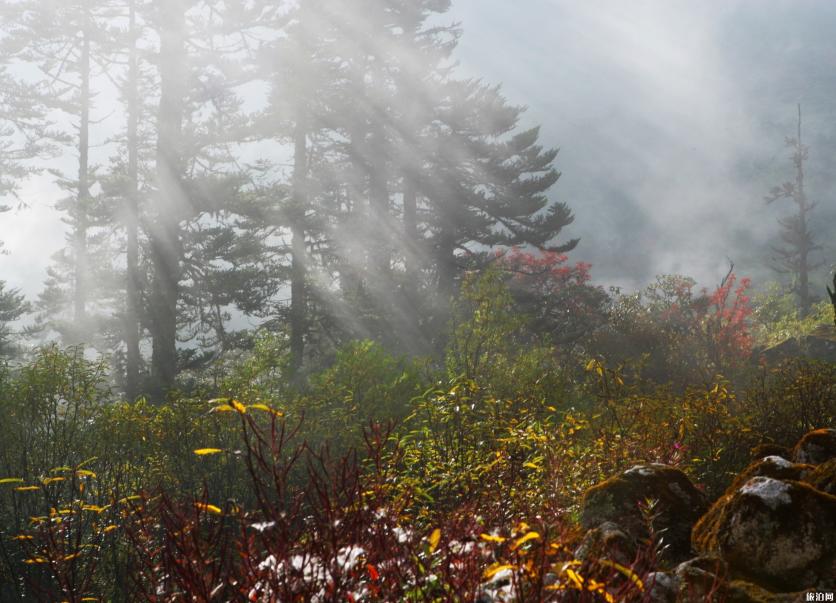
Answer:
(557, 295)
(726, 321)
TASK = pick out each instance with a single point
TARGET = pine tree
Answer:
(486, 184)
(62, 40)
(197, 179)
(23, 135)
(799, 242)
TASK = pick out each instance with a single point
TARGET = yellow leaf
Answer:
(109, 529)
(600, 588)
(22, 537)
(238, 406)
(93, 508)
(36, 560)
(71, 556)
(27, 488)
(523, 539)
(50, 480)
(85, 473)
(575, 578)
(492, 538)
(223, 408)
(435, 538)
(626, 571)
(11, 480)
(208, 508)
(494, 569)
(531, 465)
(266, 408)
(205, 451)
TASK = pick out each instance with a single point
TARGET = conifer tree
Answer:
(794, 257)
(63, 39)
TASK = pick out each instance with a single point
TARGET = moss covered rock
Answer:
(823, 477)
(776, 467)
(677, 504)
(768, 449)
(706, 579)
(816, 447)
(610, 541)
(740, 591)
(776, 533)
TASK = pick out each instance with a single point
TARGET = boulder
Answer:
(705, 579)
(610, 541)
(823, 477)
(815, 447)
(677, 504)
(776, 467)
(700, 579)
(776, 533)
(768, 449)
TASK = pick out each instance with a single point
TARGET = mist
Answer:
(670, 119)
(389, 300)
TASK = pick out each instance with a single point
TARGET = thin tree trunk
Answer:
(131, 217)
(803, 249)
(80, 292)
(410, 229)
(298, 292)
(379, 262)
(169, 199)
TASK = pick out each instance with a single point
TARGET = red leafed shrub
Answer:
(557, 296)
(353, 534)
(727, 321)
(681, 335)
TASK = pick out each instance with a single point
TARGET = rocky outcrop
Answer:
(769, 538)
(676, 505)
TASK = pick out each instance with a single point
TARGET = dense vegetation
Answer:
(316, 333)
(384, 477)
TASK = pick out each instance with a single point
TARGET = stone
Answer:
(823, 477)
(776, 467)
(775, 533)
(815, 447)
(678, 504)
(609, 541)
(767, 449)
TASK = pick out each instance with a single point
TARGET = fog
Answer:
(670, 119)
(312, 162)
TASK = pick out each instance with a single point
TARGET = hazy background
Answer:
(670, 117)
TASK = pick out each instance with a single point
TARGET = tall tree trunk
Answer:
(298, 292)
(803, 244)
(80, 292)
(379, 260)
(132, 287)
(410, 231)
(446, 266)
(169, 200)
